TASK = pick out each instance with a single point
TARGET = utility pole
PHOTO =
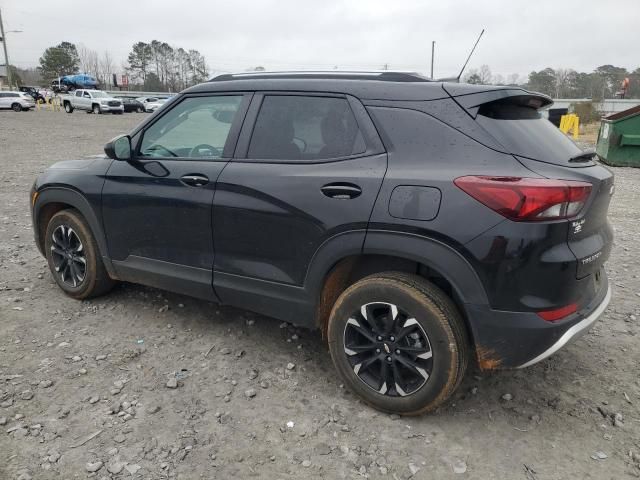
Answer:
(6, 55)
(433, 48)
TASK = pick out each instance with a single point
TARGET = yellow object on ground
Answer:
(570, 122)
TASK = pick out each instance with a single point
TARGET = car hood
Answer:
(89, 162)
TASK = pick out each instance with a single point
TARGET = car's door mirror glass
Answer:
(119, 148)
(122, 148)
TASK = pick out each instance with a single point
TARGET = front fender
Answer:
(74, 199)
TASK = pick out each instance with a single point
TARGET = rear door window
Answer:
(296, 127)
(523, 131)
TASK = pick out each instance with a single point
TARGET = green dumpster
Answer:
(619, 138)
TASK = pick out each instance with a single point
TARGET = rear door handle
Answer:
(194, 180)
(341, 190)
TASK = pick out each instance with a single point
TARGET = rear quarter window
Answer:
(525, 132)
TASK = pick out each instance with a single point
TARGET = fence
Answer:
(612, 105)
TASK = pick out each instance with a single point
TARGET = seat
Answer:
(338, 132)
(276, 141)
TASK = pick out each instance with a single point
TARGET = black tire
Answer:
(96, 109)
(70, 225)
(16, 107)
(437, 330)
(67, 107)
(140, 110)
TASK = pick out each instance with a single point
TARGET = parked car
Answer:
(92, 101)
(33, 92)
(81, 80)
(16, 101)
(417, 224)
(132, 105)
(151, 104)
(58, 87)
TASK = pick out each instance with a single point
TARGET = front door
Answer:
(157, 207)
(307, 171)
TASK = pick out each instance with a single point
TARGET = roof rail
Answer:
(382, 75)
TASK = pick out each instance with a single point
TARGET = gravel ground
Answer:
(85, 386)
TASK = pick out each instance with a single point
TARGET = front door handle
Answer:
(341, 190)
(194, 180)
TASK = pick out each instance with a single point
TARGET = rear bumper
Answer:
(506, 339)
(574, 332)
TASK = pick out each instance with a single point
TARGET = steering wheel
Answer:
(154, 148)
(195, 151)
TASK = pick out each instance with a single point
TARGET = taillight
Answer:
(527, 199)
(558, 313)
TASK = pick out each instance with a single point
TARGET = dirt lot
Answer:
(83, 385)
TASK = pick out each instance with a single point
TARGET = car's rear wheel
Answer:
(67, 107)
(16, 107)
(96, 109)
(398, 342)
(74, 258)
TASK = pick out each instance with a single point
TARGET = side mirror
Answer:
(119, 148)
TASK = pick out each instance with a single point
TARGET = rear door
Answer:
(157, 207)
(307, 170)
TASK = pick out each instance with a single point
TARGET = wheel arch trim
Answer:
(435, 254)
(75, 199)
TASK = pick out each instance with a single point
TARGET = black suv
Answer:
(33, 91)
(418, 224)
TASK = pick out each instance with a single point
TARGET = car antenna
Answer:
(469, 57)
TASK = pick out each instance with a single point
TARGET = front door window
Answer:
(197, 127)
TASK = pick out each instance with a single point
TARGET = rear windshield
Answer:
(523, 131)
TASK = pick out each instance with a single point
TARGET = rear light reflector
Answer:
(527, 199)
(558, 313)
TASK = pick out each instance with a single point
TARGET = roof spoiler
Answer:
(472, 97)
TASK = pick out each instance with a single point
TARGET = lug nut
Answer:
(393, 339)
(388, 359)
(377, 350)
(379, 338)
(397, 351)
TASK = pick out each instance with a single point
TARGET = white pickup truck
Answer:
(95, 101)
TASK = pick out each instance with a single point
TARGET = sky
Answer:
(350, 35)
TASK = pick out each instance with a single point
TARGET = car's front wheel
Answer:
(398, 342)
(73, 256)
(96, 109)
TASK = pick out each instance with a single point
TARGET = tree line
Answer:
(151, 66)
(604, 82)
(156, 66)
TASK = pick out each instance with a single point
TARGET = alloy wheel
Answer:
(387, 349)
(68, 256)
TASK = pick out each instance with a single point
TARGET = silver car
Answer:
(17, 101)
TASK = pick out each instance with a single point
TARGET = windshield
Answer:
(99, 94)
(524, 131)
